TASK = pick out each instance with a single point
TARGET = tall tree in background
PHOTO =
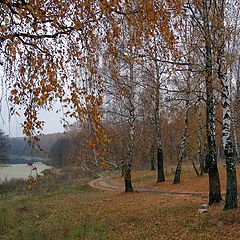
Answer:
(3, 147)
(143, 26)
(157, 115)
(121, 93)
(200, 143)
(155, 74)
(182, 147)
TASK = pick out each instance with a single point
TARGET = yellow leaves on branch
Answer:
(105, 165)
(98, 139)
(91, 144)
(42, 77)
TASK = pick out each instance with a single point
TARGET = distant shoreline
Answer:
(24, 160)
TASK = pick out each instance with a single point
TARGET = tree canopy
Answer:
(53, 50)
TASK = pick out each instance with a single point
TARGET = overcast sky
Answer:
(12, 126)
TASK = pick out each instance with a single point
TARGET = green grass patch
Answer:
(27, 233)
(90, 231)
(68, 189)
(3, 218)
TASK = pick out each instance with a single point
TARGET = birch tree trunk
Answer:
(194, 167)
(237, 104)
(160, 171)
(199, 142)
(211, 158)
(182, 147)
(234, 134)
(127, 169)
(234, 98)
(231, 200)
(152, 158)
(231, 192)
(233, 108)
(238, 81)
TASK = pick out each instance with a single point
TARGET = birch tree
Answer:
(231, 200)
(202, 13)
(182, 147)
(152, 158)
(122, 89)
(199, 138)
(157, 112)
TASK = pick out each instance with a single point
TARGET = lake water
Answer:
(20, 170)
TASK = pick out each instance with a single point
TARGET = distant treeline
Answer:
(18, 147)
(22, 160)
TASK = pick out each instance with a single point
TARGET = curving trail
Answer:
(109, 184)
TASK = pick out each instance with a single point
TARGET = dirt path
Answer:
(109, 184)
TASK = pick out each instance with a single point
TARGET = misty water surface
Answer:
(20, 170)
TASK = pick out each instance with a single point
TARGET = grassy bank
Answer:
(76, 211)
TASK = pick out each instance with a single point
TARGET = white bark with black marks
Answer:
(211, 156)
(231, 200)
(231, 192)
(234, 133)
(152, 158)
(199, 140)
(127, 168)
(182, 148)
